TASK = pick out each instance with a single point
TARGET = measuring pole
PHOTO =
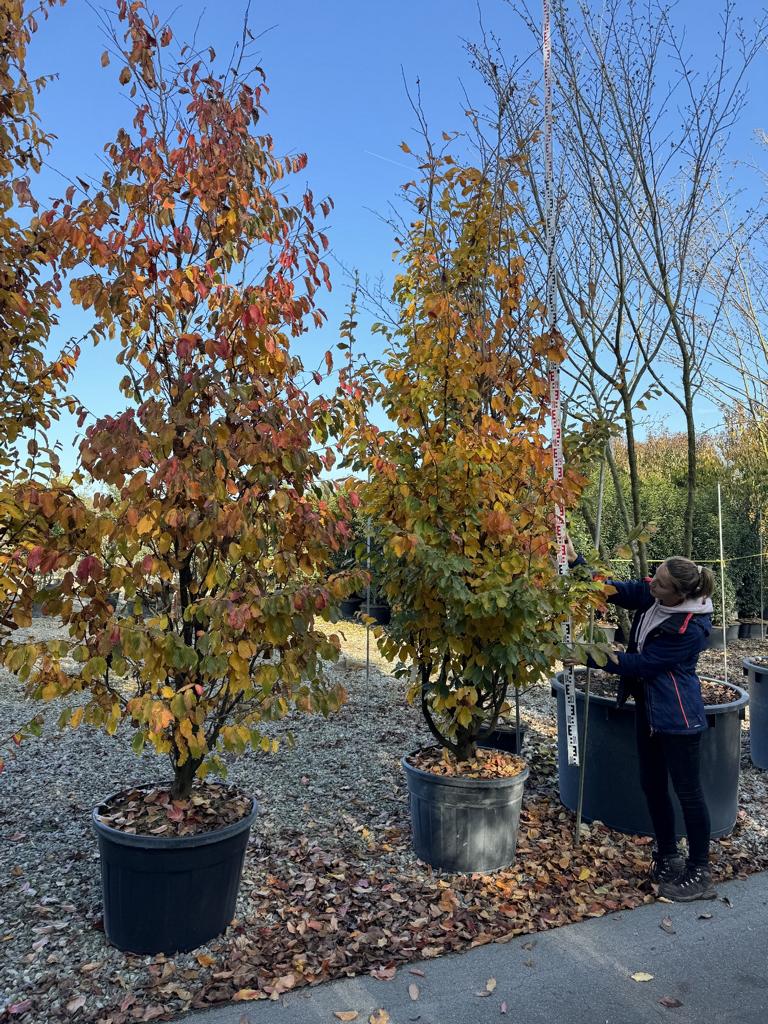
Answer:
(368, 607)
(555, 401)
(585, 730)
(722, 584)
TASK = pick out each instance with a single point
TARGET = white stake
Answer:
(569, 682)
(762, 562)
(722, 584)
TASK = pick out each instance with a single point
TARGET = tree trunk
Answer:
(183, 778)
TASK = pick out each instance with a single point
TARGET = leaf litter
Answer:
(330, 888)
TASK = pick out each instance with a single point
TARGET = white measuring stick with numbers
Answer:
(555, 399)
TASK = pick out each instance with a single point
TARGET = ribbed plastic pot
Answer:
(504, 737)
(464, 824)
(612, 791)
(758, 712)
(169, 895)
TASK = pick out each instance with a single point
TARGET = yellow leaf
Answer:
(244, 994)
(144, 525)
(584, 874)
(379, 1017)
(77, 717)
(490, 985)
(642, 976)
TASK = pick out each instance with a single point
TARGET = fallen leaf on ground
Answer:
(726, 901)
(75, 1004)
(670, 1002)
(384, 973)
(706, 916)
(584, 874)
(417, 972)
(490, 985)
(413, 991)
(642, 976)
(345, 1014)
(666, 925)
(244, 994)
(503, 1007)
(379, 1017)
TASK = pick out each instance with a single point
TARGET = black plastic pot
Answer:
(751, 630)
(380, 612)
(758, 712)
(350, 605)
(169, 895)
(503, 737)
(716, 642)
(464, 824)
(612, 792)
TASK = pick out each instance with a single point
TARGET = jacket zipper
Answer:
(679, 701)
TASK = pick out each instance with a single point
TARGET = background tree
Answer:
(203, 273)
(31, 384)
(642, 139)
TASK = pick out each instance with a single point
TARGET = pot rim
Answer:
(709, 709)
(458, 781)
(115, 835)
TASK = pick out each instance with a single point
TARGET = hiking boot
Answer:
(694, 884)
(666, 867)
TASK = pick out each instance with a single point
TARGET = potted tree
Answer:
(203, 271)
(461, 494)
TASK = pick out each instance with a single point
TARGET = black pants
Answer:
(664, 757)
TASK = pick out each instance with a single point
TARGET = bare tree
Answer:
(642, 137)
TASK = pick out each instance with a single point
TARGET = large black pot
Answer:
(348, 606)
(503, 737)
(717, 639)
(758, 712)
(612, 792)
(751, 631)
(169, 895)
(464, 824)
(380, 611)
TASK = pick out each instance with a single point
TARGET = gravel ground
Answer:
(339, 786)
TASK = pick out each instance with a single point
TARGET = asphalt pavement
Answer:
(708, 962)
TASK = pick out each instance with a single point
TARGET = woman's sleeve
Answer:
(660, 656)
(630, 594)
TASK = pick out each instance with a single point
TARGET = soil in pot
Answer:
(465, 815)
(171, 869)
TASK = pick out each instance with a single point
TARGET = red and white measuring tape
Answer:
(555, 401)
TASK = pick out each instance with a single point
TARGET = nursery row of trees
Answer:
(200, 264)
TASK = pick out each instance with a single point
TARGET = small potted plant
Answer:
(201, 514)
(461, 495)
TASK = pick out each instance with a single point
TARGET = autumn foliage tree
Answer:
(461, 489)
(204, 272)
(31, 383)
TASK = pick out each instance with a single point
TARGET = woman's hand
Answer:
(570, 550)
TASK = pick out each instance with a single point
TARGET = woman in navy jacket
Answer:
(670, 628)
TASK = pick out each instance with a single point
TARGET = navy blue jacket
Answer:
(665, 670)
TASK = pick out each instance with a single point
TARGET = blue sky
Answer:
(335, 71)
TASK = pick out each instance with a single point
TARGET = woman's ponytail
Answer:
(706, 586)
(690, 579)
